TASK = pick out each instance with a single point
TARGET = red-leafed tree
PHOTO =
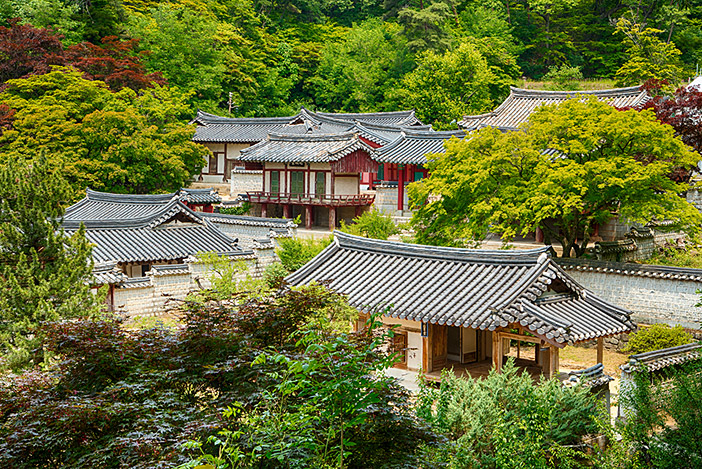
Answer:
(26, 50)
(682, 111)
(115, 63)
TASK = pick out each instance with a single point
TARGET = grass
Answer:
(688, 258)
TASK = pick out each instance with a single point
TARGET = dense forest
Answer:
(442, 57)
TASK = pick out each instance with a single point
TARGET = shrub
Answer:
(657, 337)
(274, 274)
(371, 224)
(242, 209)
(508, 420)
(563, 78)
(296, 252)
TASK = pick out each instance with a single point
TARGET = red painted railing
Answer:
(260, 197)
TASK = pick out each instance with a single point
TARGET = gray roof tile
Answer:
(320, 148)
(412, 147)
(521, 103)
(463, 287)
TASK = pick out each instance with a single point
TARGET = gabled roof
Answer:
(316, 148)
(173, 232)
(107, 206)
(217, 129)
(200, 196)
(663, 358)
(463, 287)
(412, 147)
(521, 103)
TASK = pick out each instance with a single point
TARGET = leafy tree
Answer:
(426, 27)
(25, 49)
(184, 47)
(119, 142)
(444, 87)
(119, 398)
(44, 273)
(649, 57)
(569, 167)
(682, 111)
(563, 78)
(356, 74)
(506, 420)
(60, 15)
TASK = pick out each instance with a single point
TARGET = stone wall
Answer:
(243, 180)
(694, 196)
(654, 294)
(386, 202)
(163, 286)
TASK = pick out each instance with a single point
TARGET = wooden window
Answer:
(297, 182)
(275, 182)
(381, 171)
(320, 183)
(399, 346)
(213, 163)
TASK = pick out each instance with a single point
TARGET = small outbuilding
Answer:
(457, 307)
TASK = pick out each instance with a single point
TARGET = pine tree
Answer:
(43, 272)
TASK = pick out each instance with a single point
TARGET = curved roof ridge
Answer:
(209, 118)
(316, 137)
(557, 93)
(133, 198)
(436, 134)
(174, 206)
(526, 256)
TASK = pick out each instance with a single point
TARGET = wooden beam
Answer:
(600, 349)
(524, 338)
(553, 362)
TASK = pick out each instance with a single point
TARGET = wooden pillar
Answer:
(553, 362)
(537, 354)
(426, 351)
(332, 218)
(600, 350)
(264, 210)
(309, 209)
(286, 211)
(359, 210)
(400, 188)
(496, 351)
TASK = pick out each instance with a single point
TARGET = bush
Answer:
(563, 78)
(371, 224)
(507, 420)
(657, 337)
(274, 275)
(296, 252)
(242, 209)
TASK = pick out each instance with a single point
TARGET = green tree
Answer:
(372, 224)
(427, 27)
(356, 74)
(568, 168)
(183, 44)
(125, 142)
(44, 273)
(445, 87)
(648, 56)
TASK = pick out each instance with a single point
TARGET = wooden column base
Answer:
(332, 218)
(286, 211)
(309, 211)
(264, 210)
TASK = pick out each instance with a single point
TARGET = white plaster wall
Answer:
(346, 185)
(234, 150)
(414, 354)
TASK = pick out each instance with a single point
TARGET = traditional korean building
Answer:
(315, 176)
(146, 247)
(461, 307)
(227, 136)
(521, 103)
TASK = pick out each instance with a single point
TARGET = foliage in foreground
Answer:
(506, 420)
(664, 418)
(132, 399)
(573, 166)
(43, 272)
(656, 337)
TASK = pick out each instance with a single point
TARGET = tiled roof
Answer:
(107, 273)
(200, 196)
(630, 268)
(217, 129)
(173, 232)
(663, 358)
(412, 147)
(520, 104)
(320, 148)
(590, 377)
(108, 206)
(463, 287)
(247, 220)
